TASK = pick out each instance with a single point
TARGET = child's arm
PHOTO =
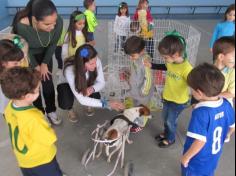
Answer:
(135, 17)
(230, 133)
(153, 66)
(158, 67)
(214, 37)
(230, 92)
(149, 16)
(193, 150)
(147, 82)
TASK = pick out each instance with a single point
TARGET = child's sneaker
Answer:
(90, 112)
(54, 118)
(136, 129)
(72, 116)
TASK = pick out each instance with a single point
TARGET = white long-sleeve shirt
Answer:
(98, 86)
(121, 25)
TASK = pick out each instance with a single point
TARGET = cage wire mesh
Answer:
(117, 70)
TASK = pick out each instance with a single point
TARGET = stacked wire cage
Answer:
(117, 70)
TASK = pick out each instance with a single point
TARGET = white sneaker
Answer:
(54, 118)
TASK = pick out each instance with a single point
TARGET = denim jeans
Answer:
(170, 114)
(187, 172)
(120, 41)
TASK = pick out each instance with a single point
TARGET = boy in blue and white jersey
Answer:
(212, 119)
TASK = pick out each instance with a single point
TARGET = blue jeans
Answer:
(170, 114)
(90, 36)
(187, 172)
(49, 169)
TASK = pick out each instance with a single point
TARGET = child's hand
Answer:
(147, 63)
(116, 105)
(227, 140)
(184, 161)
(211, 50)
(90, 91)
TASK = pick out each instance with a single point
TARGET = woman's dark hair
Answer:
(121, 6)
(229, 9)
(37, 8)
(72, 29)
(79, 61)
(207, 78)
(9, 52)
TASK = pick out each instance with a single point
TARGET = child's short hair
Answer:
(134, 45)
(17, 82)
(171, 45)
(223, 45)
(88, 3)
(206, 78)
(9, 51)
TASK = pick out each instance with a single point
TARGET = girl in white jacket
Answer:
(121, 26)
(85, 76)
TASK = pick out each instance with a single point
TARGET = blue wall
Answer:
(135, 2)
(3, 10)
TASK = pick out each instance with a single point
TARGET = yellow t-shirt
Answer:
(142, 18)
(229, 86)
(80, 39)
(176, 88)
(33, 140)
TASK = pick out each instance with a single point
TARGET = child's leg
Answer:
(49, 169)
(165, 116)
(58, 52)
(174, 111)
(91, 40)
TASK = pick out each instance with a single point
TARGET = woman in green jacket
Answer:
(41, 27)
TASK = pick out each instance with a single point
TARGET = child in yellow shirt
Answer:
(32, 138)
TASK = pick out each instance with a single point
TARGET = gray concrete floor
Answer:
(148, 159)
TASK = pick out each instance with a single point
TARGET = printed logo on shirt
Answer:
(219, 115)
(173, 75)
(14, 135)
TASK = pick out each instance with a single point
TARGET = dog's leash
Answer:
(122, 117)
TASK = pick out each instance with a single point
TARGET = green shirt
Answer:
(91, 20)
(35, 47)
(176, 88)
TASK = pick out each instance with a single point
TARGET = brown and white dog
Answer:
(120, 129)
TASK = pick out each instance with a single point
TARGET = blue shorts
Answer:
(188, 172)
(49, 169)
(90, 36)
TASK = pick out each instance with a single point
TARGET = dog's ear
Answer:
(113, 134)
(144, 111)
